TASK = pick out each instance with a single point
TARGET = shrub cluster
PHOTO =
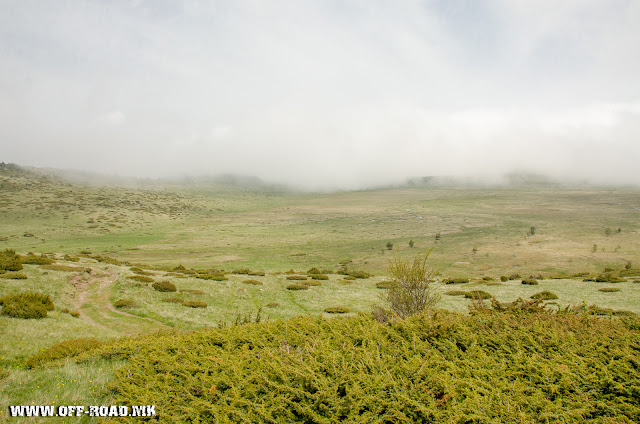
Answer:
(544, 295)
(26, 305)
(337, 310)
(456, 280)
(477, 294)
(31, 259)
(65, 349)
(13, 275)
(194, 304)
(530, 282)
(297, 277)
(74, 314)
(297, 287)
(9, 261)
(609, 289)
(164, 286)
(125, 304)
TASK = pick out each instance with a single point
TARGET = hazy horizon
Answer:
(323, 94)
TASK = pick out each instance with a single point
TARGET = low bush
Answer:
(544, 295)
(477, 294)
(360, 274)
(487, 278)
(456, 280)
(345, 281)
(609, 278)
(74, 314)
(70, 258)
(32, 259)
(514, 277)
(14, 276)
(141, 278)
(337, 310)
(164, 286)
(297, 287)
(252, 282)
(194, 304)
(504, 278)
(26, 305)
(530, 282)
(272, 305)
(609, 289)
(314, 270)
(245, 271)
(319, 276)
(214, 277)
(493, 283)
(455, 293)
(173, 300)
(296, 277)
(386, 284)
(65, 349)
(312, 283)
(629, 272)
(256, 273)
(9, 261)
(125, 304)
(348, 277)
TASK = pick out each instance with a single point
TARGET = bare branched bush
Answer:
(413, 291)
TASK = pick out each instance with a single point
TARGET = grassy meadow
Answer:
(231, 251)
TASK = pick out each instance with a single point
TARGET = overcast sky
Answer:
(323, 93)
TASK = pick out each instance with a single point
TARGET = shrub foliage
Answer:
(26, 305)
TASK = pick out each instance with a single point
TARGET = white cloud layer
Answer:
(323, 93)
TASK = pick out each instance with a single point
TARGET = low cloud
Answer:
(320, 94)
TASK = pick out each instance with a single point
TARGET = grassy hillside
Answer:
(226, 253)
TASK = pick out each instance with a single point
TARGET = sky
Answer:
(323, 94)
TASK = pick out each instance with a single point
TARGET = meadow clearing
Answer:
(166, 258)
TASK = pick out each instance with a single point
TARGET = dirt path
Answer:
(93, 291)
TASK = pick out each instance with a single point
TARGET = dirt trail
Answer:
(93, 288)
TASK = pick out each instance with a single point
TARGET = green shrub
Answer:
(456, 280)
(345, 281)
(312, 283)
(609, 278)
(314, 270)
(173, 300)
(337, 310)
(413, 292)
(296, 277)
(192, 291)
(74, 314)
(360, 274)
(32, 259)
(530, 282)
(214, 277)
(319, 276)
(514, 277)
(455, 293)
(194, 304)
(609, 289)
(70, 258)
(544, 295)
(256, 273)
(389, 245)
(253, 282)
(629, 272)
(141, 278)
(65, 349)
(387, 284)
(487, 278)
(26, 305)
(477, 294)
(9, 261)
(272, 305)
(349, 277)
(125, 304)
(241, 271)
(297, 287)
(14, 276)
(493, 283)
(164, 286)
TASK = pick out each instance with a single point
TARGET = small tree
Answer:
(413, 291)
(389, 245)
